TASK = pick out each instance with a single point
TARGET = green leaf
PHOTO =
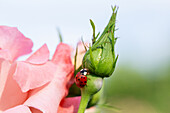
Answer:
(99, 43)
(84, 44)
(60, 36)
(109, 28)
(97, 35)
(109, 107)
(75, 60)
(77, 70)
(91, 57)
(93, 27)
(114, 65)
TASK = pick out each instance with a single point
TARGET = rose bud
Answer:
(100, 58)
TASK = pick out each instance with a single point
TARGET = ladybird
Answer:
(81, 78)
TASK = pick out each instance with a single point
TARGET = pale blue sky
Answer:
(143, 25)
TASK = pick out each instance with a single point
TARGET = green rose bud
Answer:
(100, 58)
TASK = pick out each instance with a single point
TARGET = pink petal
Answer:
(5, 54)
(10, 93)
(40, 56)
(47, 98)
(80, 55)
(91, 110)
(30, 76)
(62, 54)
(14, 41)
(18, 109)
(34, 110)
(69, 105)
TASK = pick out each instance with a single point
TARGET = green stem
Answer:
(85, 97)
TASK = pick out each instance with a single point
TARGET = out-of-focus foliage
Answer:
(131, 91)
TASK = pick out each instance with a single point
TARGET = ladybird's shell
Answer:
(80, 80)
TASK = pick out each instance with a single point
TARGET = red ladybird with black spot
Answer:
(81, 78)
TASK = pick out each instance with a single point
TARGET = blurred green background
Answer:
(132, 91)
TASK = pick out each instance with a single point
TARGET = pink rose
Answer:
(37, 84)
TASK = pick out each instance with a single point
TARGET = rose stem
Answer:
(85, 97)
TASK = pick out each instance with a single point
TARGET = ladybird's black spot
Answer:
(85, 82)
(81, 82)
(82, 85)
(81, 77)
(78, 79)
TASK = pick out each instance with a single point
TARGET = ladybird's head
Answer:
(83, 71)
